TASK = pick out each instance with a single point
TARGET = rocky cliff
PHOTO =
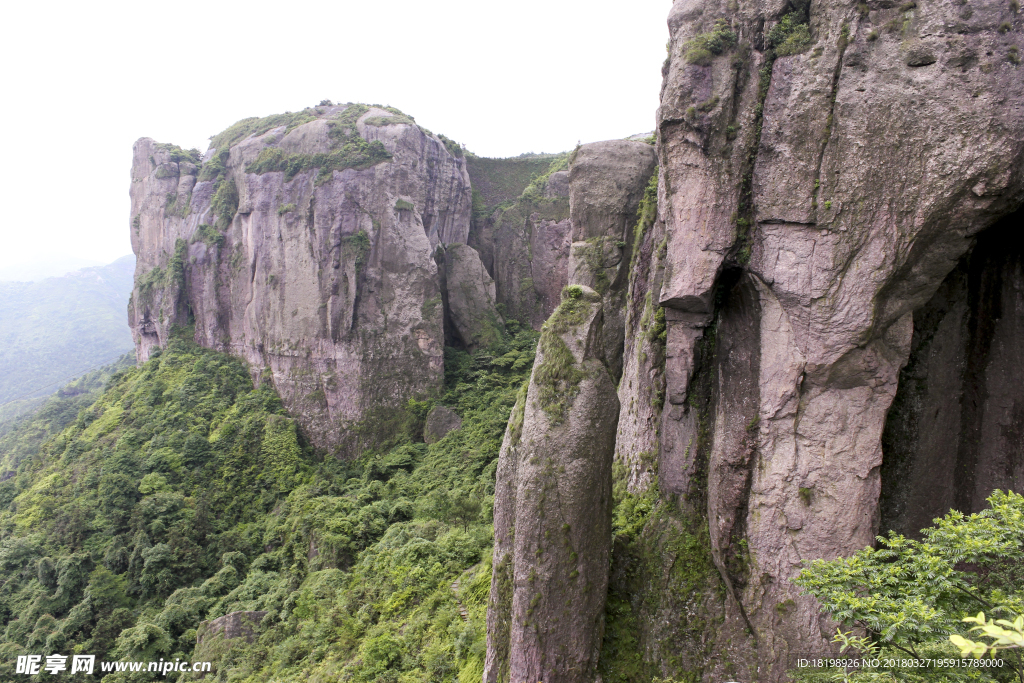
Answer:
(552, 504)
(303, 243)
(822, 248)
(790, 324)
(823, 169)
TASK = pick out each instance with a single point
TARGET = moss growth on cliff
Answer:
(357, 248)
(207, 234)
(174, 207)
(178, 155)
(664, 591)
(454, 148)
(255, 125)
(558, 379)
(646, 215)
(397, 119)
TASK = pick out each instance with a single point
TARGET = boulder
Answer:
(440, 421)
(234, 625)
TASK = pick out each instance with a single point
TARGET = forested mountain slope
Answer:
(185, 493)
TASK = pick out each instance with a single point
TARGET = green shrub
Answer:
(909, 596)
(790, 36)
(208, 234)
(225, 202)
(704, 46)
(354, 153)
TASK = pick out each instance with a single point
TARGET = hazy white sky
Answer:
(83, 80)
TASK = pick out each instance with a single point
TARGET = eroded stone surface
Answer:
(552, 511)
(470, 298)
(233, 625)
(606, 183)
(954, 432)
(329, 289)
(532, 238)
(440, 421)
(843, 201)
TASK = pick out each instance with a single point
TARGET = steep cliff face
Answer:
(953, 434)
(304, 245)
(822, 170)
(552, 507)
(521, 229)
(606, 184)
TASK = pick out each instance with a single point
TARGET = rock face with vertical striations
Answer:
(554, 477)
(552, 514)
(470, 298)
(303, 244)
(530, 239)
(819, 179)
(606, 184)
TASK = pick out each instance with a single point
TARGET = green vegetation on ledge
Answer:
(791, 35)
(704, 46)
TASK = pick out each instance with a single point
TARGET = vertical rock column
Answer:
(552, 517)
(606, 184)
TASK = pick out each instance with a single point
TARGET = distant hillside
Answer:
(60, 327)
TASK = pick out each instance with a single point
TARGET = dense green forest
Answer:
(184, 493)
(57, 328)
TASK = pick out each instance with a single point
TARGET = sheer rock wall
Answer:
(812, 202)
(326, 286)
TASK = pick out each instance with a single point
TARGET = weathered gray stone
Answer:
(953, 434)
(532, 238)
(802, 233)
(470, 297)
(329, 289)
(553, 507)
(440, 421)
(606, 183)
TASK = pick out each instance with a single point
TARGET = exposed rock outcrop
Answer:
(812, 202)
(470, 298)
(552, 514)
(305, 248)
(530, 238)
(233, 625)
(606, 183)
(954, 433)
(559, 445)
(440, 421)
